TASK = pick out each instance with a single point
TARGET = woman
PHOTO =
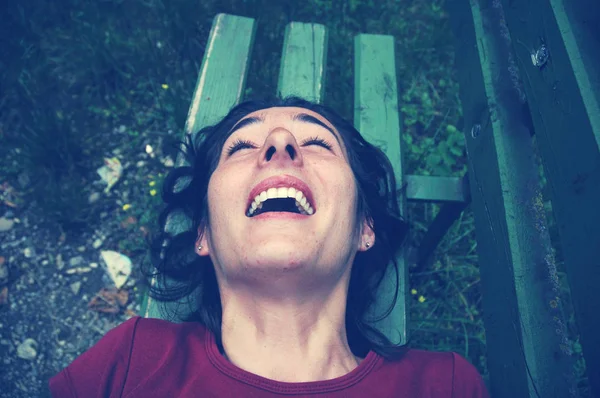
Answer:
(294, 221)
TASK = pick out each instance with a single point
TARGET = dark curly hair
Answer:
(180, 272)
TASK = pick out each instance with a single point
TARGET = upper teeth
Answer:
(301, 203)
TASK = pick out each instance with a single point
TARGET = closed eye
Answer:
(241, 144)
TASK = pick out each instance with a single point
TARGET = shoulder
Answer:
(162, 337)
(156, 328)
(92, 368)
(136, 346)
(165, 349)
(445, 374)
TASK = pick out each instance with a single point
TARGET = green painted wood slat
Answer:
(525, 356)
(564, 101)
(303, 61)
(220, 86)
(436, 189)
(377, 117)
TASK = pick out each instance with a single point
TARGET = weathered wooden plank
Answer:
(436, 189)
(223, 73)
(564, 98)
(376, 116)
(303, 61)
(219, 87)
(447, 215)
(520, 312)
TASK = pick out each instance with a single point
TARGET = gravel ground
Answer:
(48, 279)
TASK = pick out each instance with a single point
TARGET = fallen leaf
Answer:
(128, 221)
(10, 204)
(109, 301)
(4, 295)
(129, 312)
(122, 297)
(110, 172)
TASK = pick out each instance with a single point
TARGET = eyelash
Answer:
(241, 144)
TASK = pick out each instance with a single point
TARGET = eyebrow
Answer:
(302, 117)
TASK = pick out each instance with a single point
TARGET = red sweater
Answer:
(149, 358)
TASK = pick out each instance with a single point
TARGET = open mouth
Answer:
(289, 205)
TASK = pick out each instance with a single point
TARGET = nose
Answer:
(280, 147)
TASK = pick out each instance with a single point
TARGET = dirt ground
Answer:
(51, 310)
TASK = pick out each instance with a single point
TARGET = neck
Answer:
(287, 340)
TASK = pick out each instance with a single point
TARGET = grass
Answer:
(81, 68)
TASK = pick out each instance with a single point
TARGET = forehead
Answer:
(276, 114)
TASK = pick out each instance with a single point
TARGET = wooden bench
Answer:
(524, 349)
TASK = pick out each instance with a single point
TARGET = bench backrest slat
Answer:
(220, 86)
(376, 116)
(303, 61)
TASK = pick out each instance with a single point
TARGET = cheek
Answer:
(215, 191)
(223, 190)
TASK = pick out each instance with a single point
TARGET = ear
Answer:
(367, 236)
(201, 240)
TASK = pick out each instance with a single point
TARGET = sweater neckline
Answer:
(227, 368)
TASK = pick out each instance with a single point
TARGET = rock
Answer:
(78, 270)
(28, 252)
(118, 266)
(3, 272)
(93, 197)
(27, 349)
(81, 249)
(168, 162)
(75, 286)
(23, 179)
(97, 243)
(93, 265)
(6, 224)
(59, 262)
(76, 261)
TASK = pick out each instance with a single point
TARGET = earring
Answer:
(368, 245)
(199, 247)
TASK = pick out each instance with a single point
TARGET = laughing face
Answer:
(282, 203)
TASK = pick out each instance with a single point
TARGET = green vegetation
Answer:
(73, 71)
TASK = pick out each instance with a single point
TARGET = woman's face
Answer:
(268, 246)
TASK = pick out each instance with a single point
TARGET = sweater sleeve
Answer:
(100, 371)
(467, 382)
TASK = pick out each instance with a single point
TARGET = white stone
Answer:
(118, 266)
(78, 270)
(75, 286)
(93, 197)
(59, 262)
(5, 224)
(76, 261)
(28, 252)
(27, 349)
